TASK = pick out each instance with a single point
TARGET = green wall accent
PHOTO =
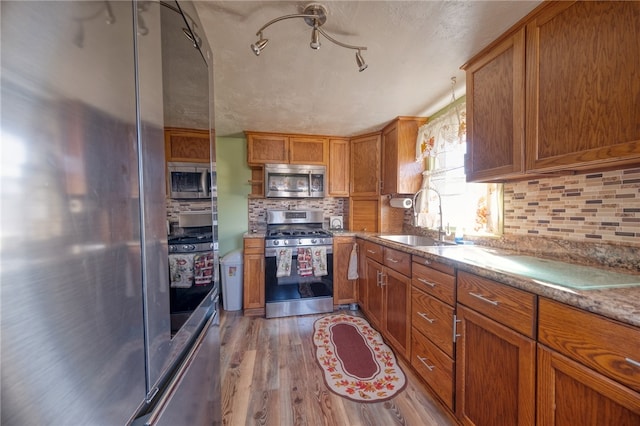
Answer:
(233, 188)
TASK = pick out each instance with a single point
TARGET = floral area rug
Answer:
(356, 362)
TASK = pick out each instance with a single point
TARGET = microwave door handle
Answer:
(309, 184)
(204, 182)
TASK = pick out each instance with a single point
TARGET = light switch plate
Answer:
(335, 222)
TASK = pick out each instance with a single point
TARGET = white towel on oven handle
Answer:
(319, 260)
(283, 262)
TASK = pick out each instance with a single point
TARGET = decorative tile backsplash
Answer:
(259, 206)
(175, 207)
(602, 207)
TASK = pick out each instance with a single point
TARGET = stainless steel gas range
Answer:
(299, 264)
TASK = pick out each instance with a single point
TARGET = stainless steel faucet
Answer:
(441, 231)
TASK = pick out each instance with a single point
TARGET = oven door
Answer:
(301, 283)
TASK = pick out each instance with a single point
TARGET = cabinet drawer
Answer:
(373, 251)
(253, 245)
(434, 282)
(507, 305)
(433, 318)
(434, 366)
(398, 261)
(604, 345)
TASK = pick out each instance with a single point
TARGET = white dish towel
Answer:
(352, 271)
(319, 261)
(283, 262)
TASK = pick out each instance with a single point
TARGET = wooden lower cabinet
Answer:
(434, 366)
(397, 302)
(433, 320)
(344, 290)
(495, 373)
(253, 294)
(388, 298)
(571, 394)
(375, 293)
(362, 276)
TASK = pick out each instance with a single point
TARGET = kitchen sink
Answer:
(415, 240)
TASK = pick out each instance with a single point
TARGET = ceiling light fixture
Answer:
(315, 15)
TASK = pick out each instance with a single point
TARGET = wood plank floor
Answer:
(270, 377)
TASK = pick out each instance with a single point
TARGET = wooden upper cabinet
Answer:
(495, 111)
(264, 148)
(401, 173)
(278, 148)
(583, 88)
(365, 165)
(338, 167)
(188, 145)
(308, 150)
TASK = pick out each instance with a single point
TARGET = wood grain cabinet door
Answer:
(338, 167)
(365, 165)
(267, 148)
(571, 394)
(397, 319)
(401, 174)
(375, 293)
(308, 150)
(495, 112)
(187, 145)
(344, 290)
(583, 89)
(495, 373)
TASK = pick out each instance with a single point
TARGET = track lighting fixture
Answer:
(315, 15)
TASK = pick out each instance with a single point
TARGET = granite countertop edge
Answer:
(621, 304)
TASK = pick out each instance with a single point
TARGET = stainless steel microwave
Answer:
(294, 181)
(191, 180)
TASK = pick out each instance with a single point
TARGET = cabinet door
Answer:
(583, 90)
(253, 281)
(189, 145)
(365, 165)
(397, 319)
(401, 174)
(572, 394)
(267, 148)
(308, 150)
(362, 276)
(338, 167)
(375, 293)
(364, 214)
(495, 112)
(344, 290)
(495, 373)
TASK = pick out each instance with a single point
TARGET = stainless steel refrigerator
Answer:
(85, 321)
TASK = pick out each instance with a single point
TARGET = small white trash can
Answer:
(232, 281)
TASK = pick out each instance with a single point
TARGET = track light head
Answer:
(315, 38)
(360, 61)
(259, 45)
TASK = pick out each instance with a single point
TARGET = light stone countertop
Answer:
(622, 304)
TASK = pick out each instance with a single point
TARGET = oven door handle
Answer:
(273, 252)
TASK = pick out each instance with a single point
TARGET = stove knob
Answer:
(276, 242)
(286, 242)
(314, 241)
(299, 241)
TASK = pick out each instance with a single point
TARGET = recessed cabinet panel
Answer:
(583, 90)
(495, 112)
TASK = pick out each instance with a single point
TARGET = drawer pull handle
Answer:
(390, 259)
(484, 299)
(633, 362)
(423, 315)
(427, 262)
(429, 283)
(424, 361)
(371, 251)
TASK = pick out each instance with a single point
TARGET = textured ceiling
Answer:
(414, 48)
